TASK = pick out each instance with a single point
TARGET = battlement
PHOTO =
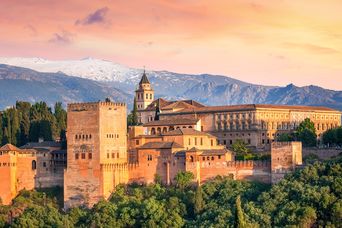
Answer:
(283, 144)
(133, 165)
(93, 105)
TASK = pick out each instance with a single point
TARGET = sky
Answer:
(265, 42)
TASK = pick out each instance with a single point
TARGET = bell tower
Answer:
(144, 95)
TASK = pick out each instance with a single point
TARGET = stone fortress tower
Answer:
(144, 95)
(97, 152)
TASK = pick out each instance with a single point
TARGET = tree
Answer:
(306, 133)
(198, 201)
(240, 147)
(183, 179)
(24, 118)
(240, 217)
(61, 118)
(285, 137)
(134, 113)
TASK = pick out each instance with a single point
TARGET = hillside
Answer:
(24, 84)
(208, 89)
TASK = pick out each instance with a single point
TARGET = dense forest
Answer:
(310, 197)
(24, 123)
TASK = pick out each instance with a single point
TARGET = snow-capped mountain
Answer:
(103, 76)
(90, 68)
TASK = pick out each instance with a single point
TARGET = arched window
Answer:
(164, 129)
(34, 165)
(191, 159)
(158, 130)
(153, 131)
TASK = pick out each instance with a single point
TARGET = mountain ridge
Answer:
(208, 89)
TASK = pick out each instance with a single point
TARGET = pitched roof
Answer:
(41, 144)
(9, 147)
(208, 152)
(144, 79)
(172, 122)
(185, 131)
(247, 107)
(162, 103)
(166, 105)
(160, 145)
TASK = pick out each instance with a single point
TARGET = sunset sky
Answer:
(270, 42)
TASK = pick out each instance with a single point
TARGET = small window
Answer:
(90, 156)
(83, 155)
(113, 155)
(201, 141)
(34, 165)
(212, 158)
(203, 158)
(137, 142)
(76, 156)
(212, 142)
(107, 155)
(44, 164)
(219, 157)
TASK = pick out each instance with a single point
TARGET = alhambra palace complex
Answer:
(174, 136)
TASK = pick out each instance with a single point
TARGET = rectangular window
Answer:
(76, 156)
(113, 155)
(90, 155)
(195, 141)
(212, 142)
(219, 157)
(249, 141)
(263, 141)
(189, 141)
(107, 155)
(83, 155)
(230, 142)
(137, 142)
(201, 141)
(225, 142)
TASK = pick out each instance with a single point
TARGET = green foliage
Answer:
(24, 123)
(198, 201)
(310, 197)
(183, 179)
(285, 137)
(333, 137)
(132, 119)
(240, 147)
(306, 133)
(240, 221)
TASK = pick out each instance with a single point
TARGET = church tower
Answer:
(144, 95)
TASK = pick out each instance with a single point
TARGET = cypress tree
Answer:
(199, 202)
(240, 217)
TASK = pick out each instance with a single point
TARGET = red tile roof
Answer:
(179, 121)
(9, 147)
(247, 107)
(160, 145)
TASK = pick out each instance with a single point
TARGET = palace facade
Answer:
(258, 125)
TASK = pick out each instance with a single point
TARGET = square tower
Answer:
(285, 156)
(97, 152)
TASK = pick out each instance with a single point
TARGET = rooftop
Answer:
(185, 131)
(160, 145)
(172, 122)
(247, 107)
